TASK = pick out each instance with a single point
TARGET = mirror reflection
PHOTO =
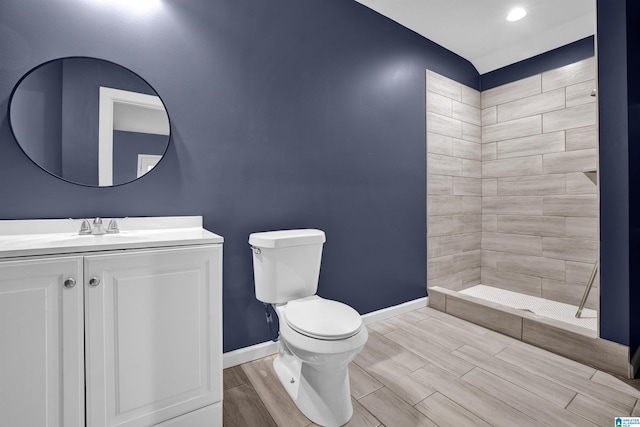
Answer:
(89, 121)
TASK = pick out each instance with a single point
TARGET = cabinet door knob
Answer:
(70, 283)
(94, 281)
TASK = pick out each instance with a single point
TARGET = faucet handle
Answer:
(112, 228)
(85, 227)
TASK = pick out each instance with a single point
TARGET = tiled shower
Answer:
(512, 196)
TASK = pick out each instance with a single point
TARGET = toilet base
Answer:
(323, 396)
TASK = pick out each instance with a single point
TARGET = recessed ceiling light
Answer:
(516, 14)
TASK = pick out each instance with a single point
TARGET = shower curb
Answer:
(573, 342)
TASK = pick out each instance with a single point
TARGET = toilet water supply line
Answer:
(274, 334)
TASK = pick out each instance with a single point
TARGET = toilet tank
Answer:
(286, 264)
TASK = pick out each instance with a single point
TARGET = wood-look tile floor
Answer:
(427, 368)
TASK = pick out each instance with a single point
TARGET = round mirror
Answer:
(89, 121)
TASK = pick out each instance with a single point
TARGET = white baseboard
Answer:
(396, 310)
(258, 351)
(248, 354)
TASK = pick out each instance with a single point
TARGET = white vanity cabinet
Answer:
(125, 333)
(41, 343)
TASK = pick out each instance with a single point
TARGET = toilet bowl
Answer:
(318, 336)
(314, 370)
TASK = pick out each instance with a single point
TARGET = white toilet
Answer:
(318, 337)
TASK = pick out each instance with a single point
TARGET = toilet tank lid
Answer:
(285, 238)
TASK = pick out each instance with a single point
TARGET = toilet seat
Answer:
(322, 319)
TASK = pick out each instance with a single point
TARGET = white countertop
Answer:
(19, 238)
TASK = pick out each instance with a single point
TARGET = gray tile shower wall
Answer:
(539, 203)
(454, 184)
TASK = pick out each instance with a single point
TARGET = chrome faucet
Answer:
(98, 228)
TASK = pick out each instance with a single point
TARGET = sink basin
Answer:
(97, 239)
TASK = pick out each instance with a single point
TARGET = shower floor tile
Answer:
(539, 306)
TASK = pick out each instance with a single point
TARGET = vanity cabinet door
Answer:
(153, 334)
(41, 343)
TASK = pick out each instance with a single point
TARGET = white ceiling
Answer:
(478, 30)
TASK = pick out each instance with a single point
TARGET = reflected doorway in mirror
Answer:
(123, 110)
(146, 162)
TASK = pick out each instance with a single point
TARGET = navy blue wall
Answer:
(633, 97)
(284, 114)
(615, 190)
